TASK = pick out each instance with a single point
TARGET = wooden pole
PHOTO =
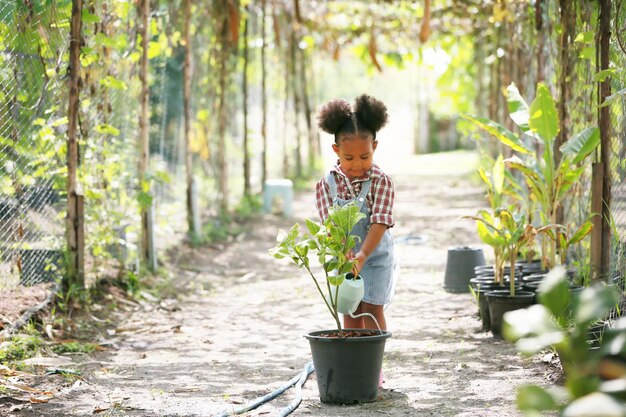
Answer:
(222, 160)
(293, 45)
(246, 151)
(74, 224)
(192, 228)
(604, 123)
(540, 39)
(568, 23)
(144, 138)
(597, 174)
(263, 96)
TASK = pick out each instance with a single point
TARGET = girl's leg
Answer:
(350, 323)
(375, 310)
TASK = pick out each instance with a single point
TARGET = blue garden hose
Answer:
(298, 380)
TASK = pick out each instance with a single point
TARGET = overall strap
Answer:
(330, 179)
(365, 188)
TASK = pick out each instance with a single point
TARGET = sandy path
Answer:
(237, 334)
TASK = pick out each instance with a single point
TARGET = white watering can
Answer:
(350, 294)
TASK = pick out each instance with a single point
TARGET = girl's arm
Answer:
(375, 234)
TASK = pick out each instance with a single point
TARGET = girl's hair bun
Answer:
(333, 115)
(370, 111)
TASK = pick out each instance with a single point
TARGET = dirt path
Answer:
(237, 334)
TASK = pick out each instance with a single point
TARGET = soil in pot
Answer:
(347, 369)
(501, 301)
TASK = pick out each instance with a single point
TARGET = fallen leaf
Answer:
(26, 388)
(98, 409)
(39, 400)
(50, 362)
(187, 389)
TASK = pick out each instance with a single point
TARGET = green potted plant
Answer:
(547, 179)
(510, 233)
(595, 379)
(347, 361)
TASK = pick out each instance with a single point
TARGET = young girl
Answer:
(355, 176)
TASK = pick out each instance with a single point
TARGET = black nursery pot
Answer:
(347, 369)
(480, 289)
(501, 301)
(460, 267)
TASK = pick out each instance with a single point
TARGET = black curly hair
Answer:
(367, 116)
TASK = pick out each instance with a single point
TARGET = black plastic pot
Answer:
(347, 369)
(501, 301)
(483, 268)
(460, 268)
(480, 288)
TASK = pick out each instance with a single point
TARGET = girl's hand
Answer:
(360, 259)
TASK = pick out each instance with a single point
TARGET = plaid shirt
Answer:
(379, 198)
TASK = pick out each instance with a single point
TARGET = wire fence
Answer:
(32, 125)
(34, 41)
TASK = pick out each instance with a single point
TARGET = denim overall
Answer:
(377, 273)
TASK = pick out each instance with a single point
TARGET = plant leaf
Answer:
(518, 108)
(313, 226)
(336, 280)
(534, 398)
(501, 133)
(497, 175)
(595, 302)
(592, 404)
(580, 234)
(543, 116)
(582, 144)
(531, 328)
(553, 293)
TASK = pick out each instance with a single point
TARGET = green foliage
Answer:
(507, 233)
(74, 347)
(20, 347)
(563, 321)
(548, 182)
(248, 207)
(131, 282)
(331, 242)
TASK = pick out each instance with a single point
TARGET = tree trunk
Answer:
(568, 23)
(263, 95)
(317, 146)
(192, 228)
(307, 113)
(221, 146)
(143, 140)
(246, 155)
(75, 272)
(286, 131)
(540, 39)
(296, 101)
